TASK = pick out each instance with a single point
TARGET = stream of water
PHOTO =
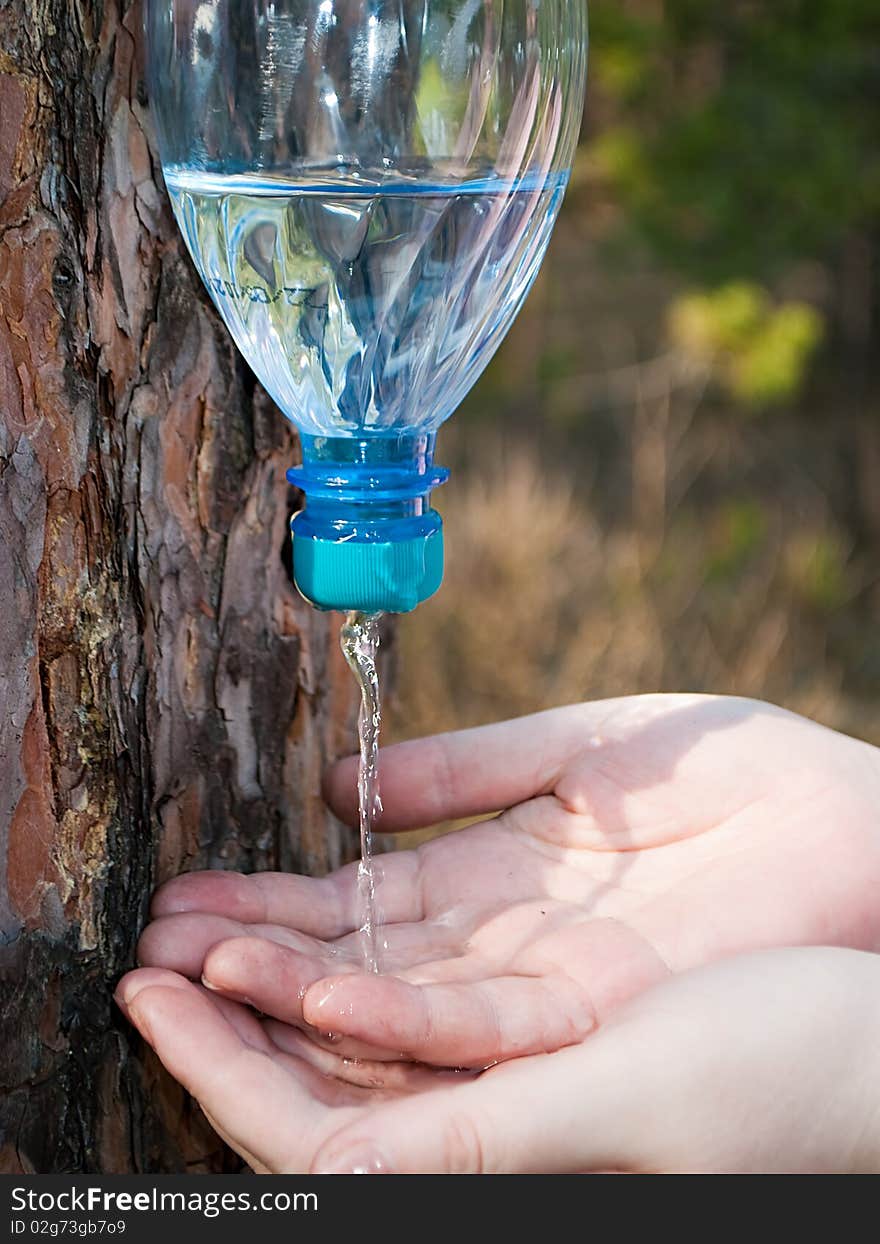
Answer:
(360, 645)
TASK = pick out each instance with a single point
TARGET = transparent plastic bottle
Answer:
(367, 188)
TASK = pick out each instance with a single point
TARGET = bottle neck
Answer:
(368, 487)
(368, 539)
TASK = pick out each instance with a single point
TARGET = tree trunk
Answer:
(166, 700)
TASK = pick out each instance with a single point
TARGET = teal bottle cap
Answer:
(369, 576)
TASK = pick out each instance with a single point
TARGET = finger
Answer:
(242, 1020)
(274, 980)
(261, 974)
(469, 773)
(142, 978)
(387, 1077)
(180, 943)
(454, 1025)
(313, 905)
(265, 1110)
(322, 907)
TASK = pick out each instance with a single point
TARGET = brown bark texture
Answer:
(166, 700)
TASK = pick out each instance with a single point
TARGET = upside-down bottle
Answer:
(367, 188)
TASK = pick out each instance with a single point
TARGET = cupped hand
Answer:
(642, 837)
(764, 1063)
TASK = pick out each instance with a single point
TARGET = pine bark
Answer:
(166, 700)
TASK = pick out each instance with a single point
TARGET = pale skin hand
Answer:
(645, 837)
(764, 1063)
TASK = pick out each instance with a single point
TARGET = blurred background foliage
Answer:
(670, 477)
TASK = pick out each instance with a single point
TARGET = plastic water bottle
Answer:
(367, 188)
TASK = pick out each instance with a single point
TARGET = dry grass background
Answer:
(545, 604)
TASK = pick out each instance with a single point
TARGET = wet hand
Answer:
(764, 1063)
(643, 837)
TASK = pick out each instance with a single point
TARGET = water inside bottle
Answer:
(366, 307)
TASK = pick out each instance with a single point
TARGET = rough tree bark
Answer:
(166, 701)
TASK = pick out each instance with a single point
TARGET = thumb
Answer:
(552, 1113)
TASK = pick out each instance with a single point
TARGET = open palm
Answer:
(643, 836)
